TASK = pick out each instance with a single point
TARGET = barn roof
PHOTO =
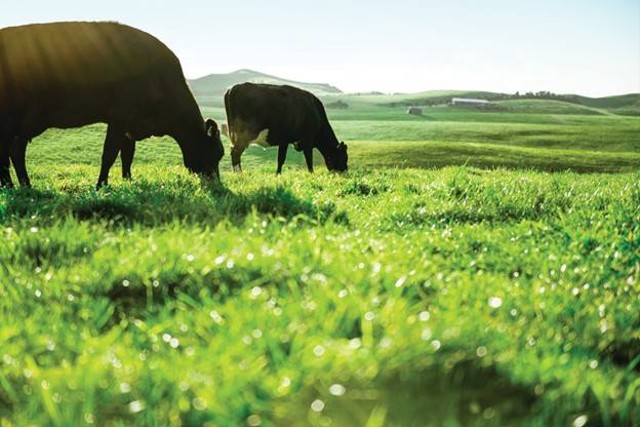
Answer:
(475, 101)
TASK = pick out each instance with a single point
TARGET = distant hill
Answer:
(545, 106)
(618, 101)
(215, 85)
(209, 90)
(434, 97)
(620, 104)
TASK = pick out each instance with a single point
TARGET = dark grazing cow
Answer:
(71, 74)
(271, 115)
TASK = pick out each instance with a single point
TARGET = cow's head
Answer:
(336, 160)
(214, 149)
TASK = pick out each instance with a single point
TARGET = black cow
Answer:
(71, 74)
(271, 115)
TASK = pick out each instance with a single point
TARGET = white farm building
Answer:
(470, 102)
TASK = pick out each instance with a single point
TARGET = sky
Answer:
(588, 47)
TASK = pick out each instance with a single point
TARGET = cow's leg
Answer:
(236, 153)
(127, 151)
(5, 172)
(18, 152)
(308, 156)
(112, 145)
(282, 155)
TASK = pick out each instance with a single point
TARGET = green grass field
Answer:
(472, 268)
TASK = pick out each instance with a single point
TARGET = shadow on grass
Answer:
(278, 202)
(137, 296)
(624, 353)
(466, 394)
(27, 202)
(152, 204)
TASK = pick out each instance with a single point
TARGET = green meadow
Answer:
(471, 268)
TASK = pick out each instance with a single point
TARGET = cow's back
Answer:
(79, 54)
(288, 112)
(74, 73)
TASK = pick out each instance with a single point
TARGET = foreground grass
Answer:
(380, 297)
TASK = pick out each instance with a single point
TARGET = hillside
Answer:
(568, 104)
(209, 91)
(544, 106)
(627, 105)
(617, 101)
(215, 85)
(434, 97)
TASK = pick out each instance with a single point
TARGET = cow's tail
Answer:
(228, 110)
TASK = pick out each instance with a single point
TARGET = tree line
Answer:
(489, 96)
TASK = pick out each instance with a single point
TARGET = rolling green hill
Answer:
(626, 105)
(438, 97)
(545, 106)
(618, 101)
(209, 91)
(566, 104)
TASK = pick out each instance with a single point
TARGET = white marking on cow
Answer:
(261, 139)
(237, 168)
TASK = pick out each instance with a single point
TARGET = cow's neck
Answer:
(328, 144)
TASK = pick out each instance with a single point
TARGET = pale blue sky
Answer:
(591, 47)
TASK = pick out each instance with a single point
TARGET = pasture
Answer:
(471, 268)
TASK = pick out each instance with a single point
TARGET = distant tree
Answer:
(339, 104)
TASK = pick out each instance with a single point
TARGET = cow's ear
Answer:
(210, 126)
(342, 145)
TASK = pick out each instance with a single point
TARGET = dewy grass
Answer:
(382, 296)
(449, 278)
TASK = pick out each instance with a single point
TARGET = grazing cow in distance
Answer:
(269, 115)
(70, 74)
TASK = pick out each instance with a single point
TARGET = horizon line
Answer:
(381, 92)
